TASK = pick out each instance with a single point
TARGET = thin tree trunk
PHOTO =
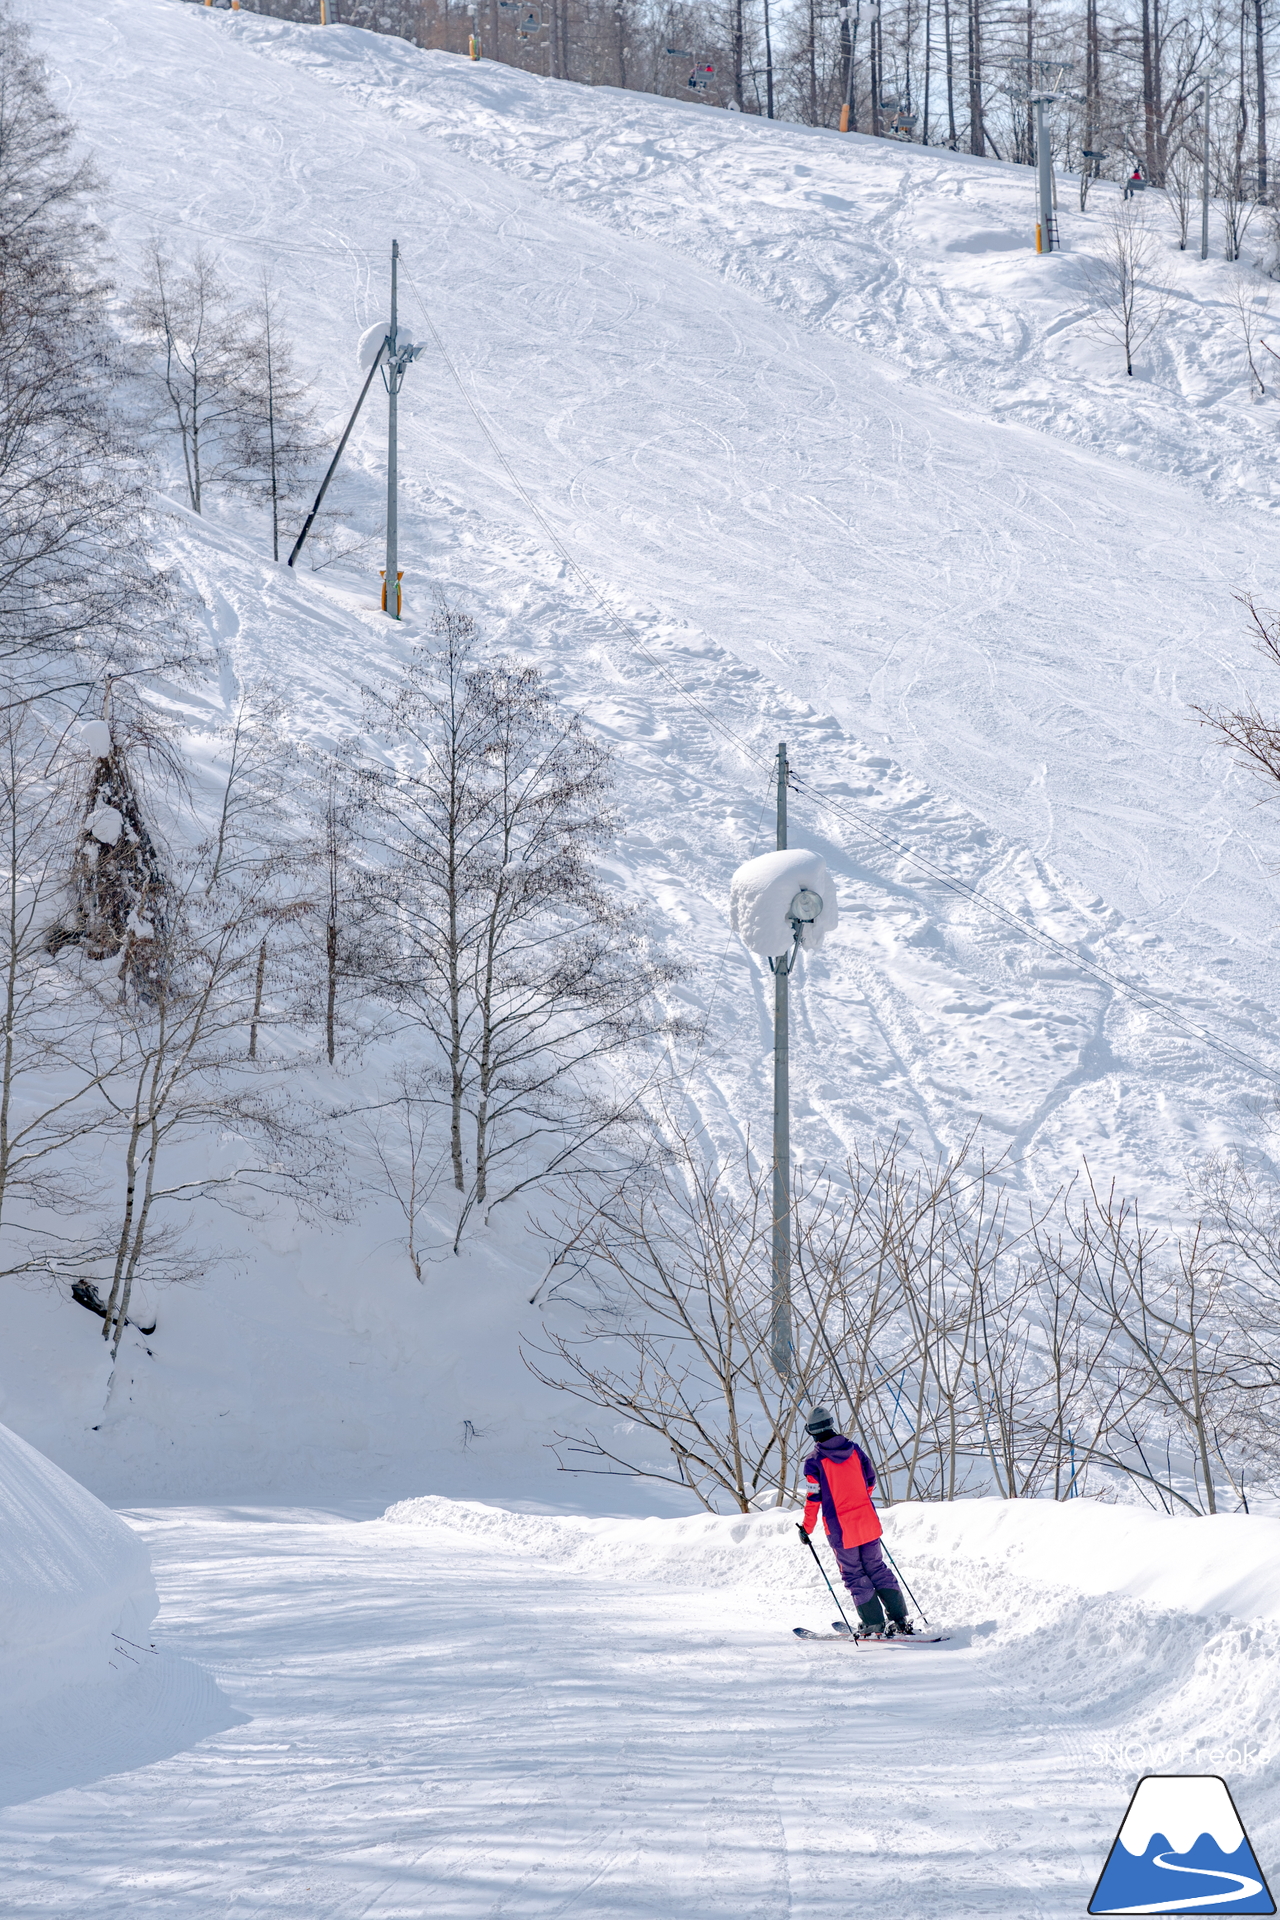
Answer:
(1260, 70)
(11, 971)
(977, 132)
(1148, 93)
(257, 1001)
(271, 431)
(331, 927)
(928, 69)
(951, 74)
(813, 64)
(877, 44)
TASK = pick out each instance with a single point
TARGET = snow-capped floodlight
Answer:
(780, 899)
(371, 344)
(778, 903)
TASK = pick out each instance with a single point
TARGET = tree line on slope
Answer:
(974, 1341)
(194, 952)
(950, 73)
(188, 952)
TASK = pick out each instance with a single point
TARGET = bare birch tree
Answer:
(1129, 300)
(75, 578)
(498, 939)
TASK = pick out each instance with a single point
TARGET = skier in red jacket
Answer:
(840, 1478)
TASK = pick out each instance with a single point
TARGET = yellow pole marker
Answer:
(1039, 248)
(844, 118)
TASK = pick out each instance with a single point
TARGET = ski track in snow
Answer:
(846, 458)
(986, 638)
(469, 1717)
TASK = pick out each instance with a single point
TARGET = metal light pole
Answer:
(397, 359)
(777, 932)
(780, 1342)
(393, 377)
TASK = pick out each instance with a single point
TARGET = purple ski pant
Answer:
(863, 1570)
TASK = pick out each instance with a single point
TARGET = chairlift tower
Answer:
(1042, 90)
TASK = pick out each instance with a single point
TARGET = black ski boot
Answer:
(896, 1608)
(871, 1614)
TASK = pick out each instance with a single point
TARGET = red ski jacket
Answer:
(840, 1480)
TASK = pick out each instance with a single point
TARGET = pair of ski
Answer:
(842, 1632)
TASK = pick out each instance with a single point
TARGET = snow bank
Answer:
(1229, 1563)
(762, 895)
(702, 1549)
(72, 1576)
(1225, 1563)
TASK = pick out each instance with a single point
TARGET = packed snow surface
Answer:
(467, 1711)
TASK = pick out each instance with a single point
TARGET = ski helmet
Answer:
(820, 1425)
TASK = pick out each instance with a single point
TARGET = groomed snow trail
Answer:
(473, 1714)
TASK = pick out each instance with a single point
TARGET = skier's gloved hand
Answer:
(803, 1535)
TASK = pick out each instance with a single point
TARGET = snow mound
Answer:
(702, 1549)
(766, 894)
(1078, 1549)
(1204, 1564)
(72, 1576)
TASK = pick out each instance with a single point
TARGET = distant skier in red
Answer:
(840, 1478)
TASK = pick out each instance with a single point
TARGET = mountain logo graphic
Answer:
(1181, 1849)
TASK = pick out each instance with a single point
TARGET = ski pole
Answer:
(822, 1570)
(898, 1570)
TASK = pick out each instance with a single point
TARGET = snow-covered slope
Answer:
(84, 1689)
(73, 1580)
(779, 398)
(471, 1711)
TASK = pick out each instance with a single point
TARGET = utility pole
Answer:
(397, 360)
(393, 377)
(388, 355)
(780, 1341)
(780, 902)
